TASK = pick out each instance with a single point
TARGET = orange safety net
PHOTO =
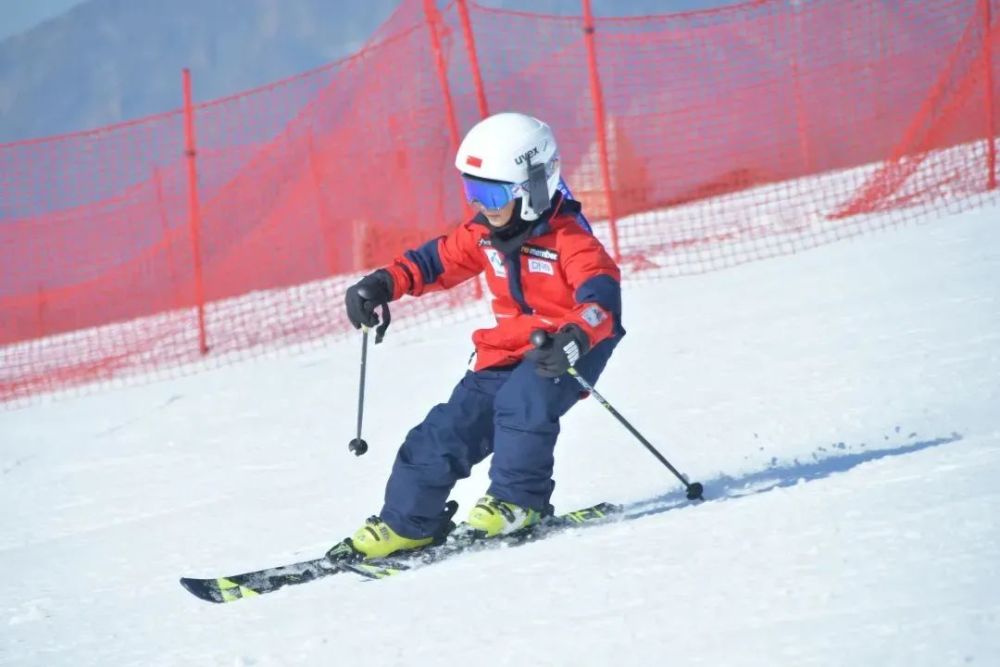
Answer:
(230, 229)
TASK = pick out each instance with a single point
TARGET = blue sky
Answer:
(20, 15)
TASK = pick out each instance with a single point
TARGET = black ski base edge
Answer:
(268, 580)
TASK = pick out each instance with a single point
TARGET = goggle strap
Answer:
(538, 188)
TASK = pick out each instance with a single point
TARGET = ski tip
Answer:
(203, 589)
(217, 590)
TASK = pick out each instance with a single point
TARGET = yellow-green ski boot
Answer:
(376, 539)
(496, 517)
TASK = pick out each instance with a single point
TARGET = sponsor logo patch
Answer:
(537, 251)
(496, 261)
(540, 266)
(593, 316)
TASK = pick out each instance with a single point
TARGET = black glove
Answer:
(364, 296)
(559, 351)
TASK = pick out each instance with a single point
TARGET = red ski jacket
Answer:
(560, 275)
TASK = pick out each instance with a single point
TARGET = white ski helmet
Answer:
(510, 155)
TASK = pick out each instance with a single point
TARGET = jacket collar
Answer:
(509, 238)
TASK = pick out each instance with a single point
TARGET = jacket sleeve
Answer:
(596, 281)
(439, 264)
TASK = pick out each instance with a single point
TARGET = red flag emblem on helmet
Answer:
(474, 161)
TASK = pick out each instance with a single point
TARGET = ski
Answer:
(268, 580)
(251, 584)
(465, 539)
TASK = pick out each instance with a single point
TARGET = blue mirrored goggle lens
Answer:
(491, 195)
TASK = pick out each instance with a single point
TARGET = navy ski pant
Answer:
(512, 413)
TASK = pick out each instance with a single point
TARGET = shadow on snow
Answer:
(777, 476)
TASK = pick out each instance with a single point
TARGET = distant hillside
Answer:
(111, 60)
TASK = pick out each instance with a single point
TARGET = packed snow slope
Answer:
(842, 407)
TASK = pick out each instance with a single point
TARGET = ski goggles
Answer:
(492, 195)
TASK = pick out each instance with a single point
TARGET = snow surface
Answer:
(843, 403)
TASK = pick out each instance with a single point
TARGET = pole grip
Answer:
(541, 339)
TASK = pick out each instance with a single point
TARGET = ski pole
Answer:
(358, 445)
(541, 339)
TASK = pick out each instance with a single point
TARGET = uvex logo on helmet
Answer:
(524, 156)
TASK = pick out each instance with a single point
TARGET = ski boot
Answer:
(376, 539)
(497, 517)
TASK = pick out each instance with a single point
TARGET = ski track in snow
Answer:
(841, 406)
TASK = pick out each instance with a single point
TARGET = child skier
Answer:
(546, 271)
